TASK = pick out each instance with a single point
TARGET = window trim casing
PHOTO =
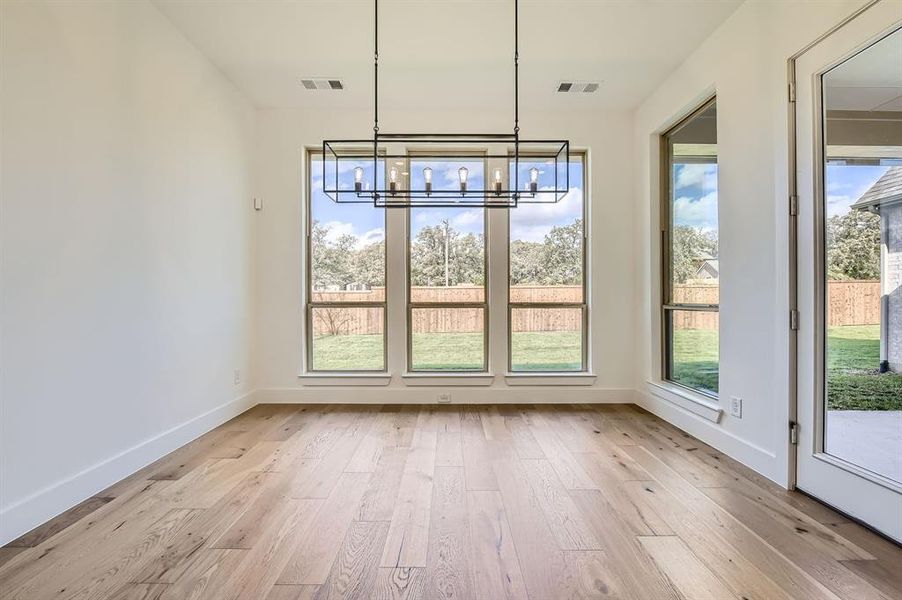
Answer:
(582, 157)
(310, 305)
(667, 306)
(484, 305)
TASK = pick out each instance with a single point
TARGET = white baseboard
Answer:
(713, 434)
(418, 395)
(29, 512)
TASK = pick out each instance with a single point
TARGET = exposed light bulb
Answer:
(498, 181)
(462, 174)
(533, 180)
(392, 180)
(358, 179)
(427, 177)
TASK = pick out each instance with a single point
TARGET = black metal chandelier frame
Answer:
(503, 152)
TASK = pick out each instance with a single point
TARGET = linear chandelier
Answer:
(491, 170)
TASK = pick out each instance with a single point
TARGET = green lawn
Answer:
(853, 383)
(853, 355)
(533, 351)
(695, 358)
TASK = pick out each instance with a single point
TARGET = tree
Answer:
(369, 264)
(440, 256)
(341, 263)
(690, 246)
(526, 262)
(562, 255)
(853, 246)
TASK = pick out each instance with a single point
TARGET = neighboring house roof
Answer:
(710, 267)
(886, 190)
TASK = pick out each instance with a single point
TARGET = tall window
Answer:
(548, 316)
(346, 313)
(691, 269)
(447, 284)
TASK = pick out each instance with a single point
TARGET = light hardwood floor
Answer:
(486, 502)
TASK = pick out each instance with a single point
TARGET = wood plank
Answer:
(262, 565)
(448, 452)
(397, 477)
(140, 591)
(633, 569)
(401, 583)
(8, 553)
(195, 580)
(572, 475)
(684, 569)
(476, 457)
(798, 548)
(408, 535)
(369, 451)
(113, 566)
(546, 573)
(378, 502)
(319, 481)
(597, 575)
(567, 524)
(449, 567)
(353, 574)
(58, 523)
(524, 442)
(292, 592)
(312, 560)
(212, 523)
(716, 533)
(496, 567)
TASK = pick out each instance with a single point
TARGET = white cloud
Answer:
(838, 204)
(467, 219)
(336, 229)
(531, 222)
(702, 174)
(696, 213)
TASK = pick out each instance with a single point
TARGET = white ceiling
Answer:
(447, 53)
(870, 80)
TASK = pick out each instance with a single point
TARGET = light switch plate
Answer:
(736, 406)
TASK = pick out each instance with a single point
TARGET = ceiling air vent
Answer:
(578, 87)
(322, 83)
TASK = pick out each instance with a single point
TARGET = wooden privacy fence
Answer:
(849, 303)
(369, 320)
(853, 303)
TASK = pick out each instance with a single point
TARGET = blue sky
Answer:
(846, 184)
(529, 222)
(695, 195)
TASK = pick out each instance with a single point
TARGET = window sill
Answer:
(698, 404)
(549, 379)
(448, 379)
(344, 379)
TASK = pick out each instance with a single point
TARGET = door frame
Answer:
(810, 372)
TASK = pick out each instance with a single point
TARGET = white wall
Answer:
(282, 135)
(127, 249)
(744, 61)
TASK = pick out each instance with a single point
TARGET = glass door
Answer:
(849, 151)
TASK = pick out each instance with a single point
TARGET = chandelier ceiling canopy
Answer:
(400, 170)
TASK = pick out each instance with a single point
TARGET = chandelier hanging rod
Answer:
(541, 166)
(516, 133)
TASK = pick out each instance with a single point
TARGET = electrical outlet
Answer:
(237, 376)
(444, 398)
(736, 406)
